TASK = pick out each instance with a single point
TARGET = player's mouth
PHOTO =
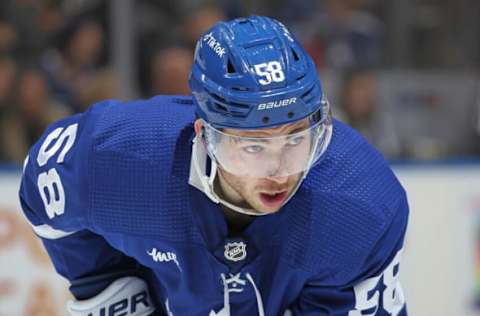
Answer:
(273, 200)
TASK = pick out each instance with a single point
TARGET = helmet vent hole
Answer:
(221, 107)
(230, 68)
(265, 119)
(295, 55)
(301, 77)
(240, 88)
(290, 114)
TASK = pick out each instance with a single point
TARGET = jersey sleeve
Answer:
(374, 289)
(54, 194)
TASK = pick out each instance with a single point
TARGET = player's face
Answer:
(260, 168)
(265, 195)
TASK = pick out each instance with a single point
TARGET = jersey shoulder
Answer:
(53, 182)
(139, 168)
(358, 207)
(100, 169)
(144, 129)
(354, 169)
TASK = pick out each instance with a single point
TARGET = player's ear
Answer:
(198, 125)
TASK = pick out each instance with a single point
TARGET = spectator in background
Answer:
(32, 110)
(8, 37)
(199, 21)
(9, 149)
(180, 35)
(344, 35)
(51, 20)
(8, 69)
(102, 86)
(359, 108)
(75, 67)
(170, 68)
(33, 24)
(35, 107)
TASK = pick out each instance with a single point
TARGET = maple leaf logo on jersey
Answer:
(235, 251)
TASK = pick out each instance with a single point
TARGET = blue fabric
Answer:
(127, 196)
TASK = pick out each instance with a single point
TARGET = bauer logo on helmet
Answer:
(276, 104)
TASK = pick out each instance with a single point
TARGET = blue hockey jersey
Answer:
(107, 191)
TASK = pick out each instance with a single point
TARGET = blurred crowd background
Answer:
(404, 73)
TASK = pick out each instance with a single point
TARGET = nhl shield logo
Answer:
(235, 251)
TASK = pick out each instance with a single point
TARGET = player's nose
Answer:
(278, 179)
(276, 167)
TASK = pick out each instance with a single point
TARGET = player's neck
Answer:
(236, 222)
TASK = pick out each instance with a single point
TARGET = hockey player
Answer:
(245, 199)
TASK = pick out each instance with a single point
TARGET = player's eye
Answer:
(296, 140)
(253, 149)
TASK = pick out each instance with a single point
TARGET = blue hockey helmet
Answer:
(252, 73)
(249, 74)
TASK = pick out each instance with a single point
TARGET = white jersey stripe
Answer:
(49, 232)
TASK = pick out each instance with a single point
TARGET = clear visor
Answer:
(274, 152)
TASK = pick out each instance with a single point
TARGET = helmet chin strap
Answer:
(205, 183)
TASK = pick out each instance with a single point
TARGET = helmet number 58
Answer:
(271, 71)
